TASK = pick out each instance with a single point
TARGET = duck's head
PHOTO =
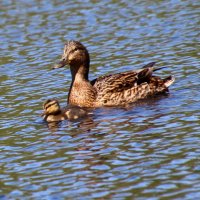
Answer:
(74, 54)
(51, 107)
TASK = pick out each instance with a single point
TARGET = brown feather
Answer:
(109, 90)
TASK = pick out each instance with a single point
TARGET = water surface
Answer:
(148, 150)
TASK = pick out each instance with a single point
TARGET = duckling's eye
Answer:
(75, 49)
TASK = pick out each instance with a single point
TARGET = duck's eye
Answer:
(75, 49)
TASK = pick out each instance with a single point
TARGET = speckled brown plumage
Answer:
(109, 90)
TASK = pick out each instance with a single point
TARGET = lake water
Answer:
(149, 150)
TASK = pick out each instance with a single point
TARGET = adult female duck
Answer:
(109, 90)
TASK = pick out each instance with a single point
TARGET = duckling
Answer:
(109, 90)
(53, 112)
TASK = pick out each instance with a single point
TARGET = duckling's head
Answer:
(51, 107)
(75, 54)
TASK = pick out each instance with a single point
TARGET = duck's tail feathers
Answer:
(159, 68)
(168, 81)
(151, 65)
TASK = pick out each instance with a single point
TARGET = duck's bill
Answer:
(59, 65)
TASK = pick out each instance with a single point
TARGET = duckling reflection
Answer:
(54, 113)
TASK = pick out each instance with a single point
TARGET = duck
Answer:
(54, 113)
(109, 90)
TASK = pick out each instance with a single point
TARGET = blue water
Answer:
(149, 150)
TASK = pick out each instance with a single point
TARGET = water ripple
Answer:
(148, 150)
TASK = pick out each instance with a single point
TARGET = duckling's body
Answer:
(53, 112)
(108, 90)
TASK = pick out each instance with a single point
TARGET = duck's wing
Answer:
(122, 81)
(116, 82)
(149, 65)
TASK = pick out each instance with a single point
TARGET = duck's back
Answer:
(128, 87)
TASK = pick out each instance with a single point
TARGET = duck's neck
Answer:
(79, 79)
(79, 73)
